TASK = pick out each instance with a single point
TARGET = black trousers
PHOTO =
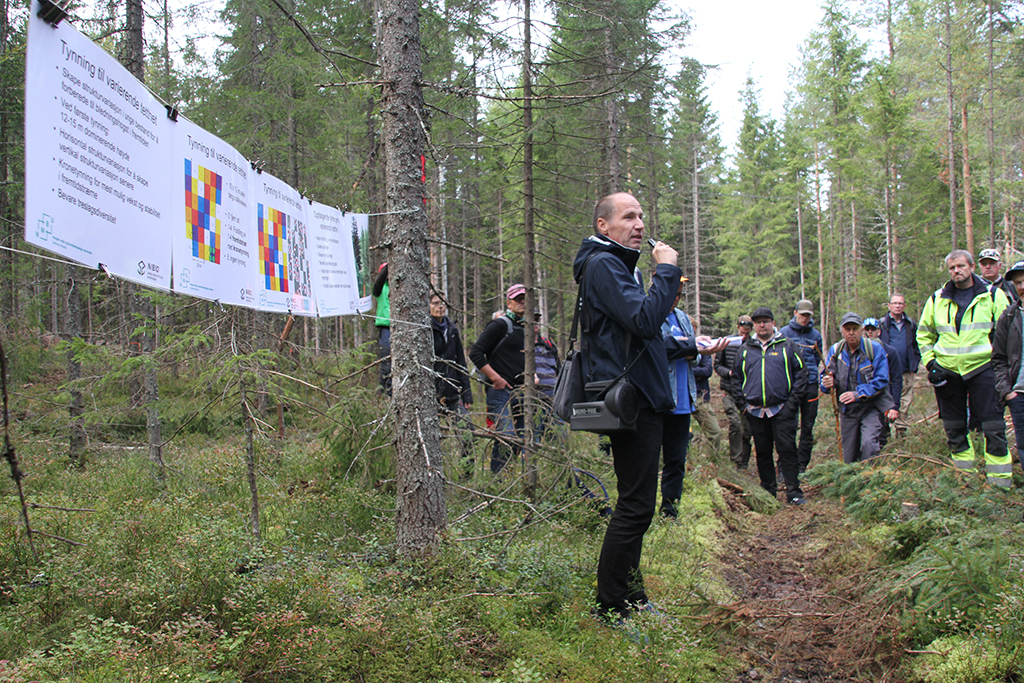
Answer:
(771, 434)
(808, 414)
(675, 442)
(636, 455)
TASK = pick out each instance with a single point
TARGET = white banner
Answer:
(361, 250)
(334, 266)
(284, 279)
(95, 158)
(213, 215)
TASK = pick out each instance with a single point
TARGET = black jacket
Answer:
(913, 351)
(895, 373)
(1006, 349)
(501, 350)
(702, 372)
(769, 376)
(615, 306)
(451, 381)
(724, 362)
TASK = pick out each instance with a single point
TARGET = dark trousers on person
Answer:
(675, 442)
(861, 428)
(808, 414)
(739, 432)
(771, 434)
(978, 395)
(384, 354)
(635, 454)
(506, 409)
(1016, 407)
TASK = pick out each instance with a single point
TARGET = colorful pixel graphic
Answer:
(273, 235)
(202, 196)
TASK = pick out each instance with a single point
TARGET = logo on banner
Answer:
(185, 277)
(142, 268)
(246, 294)
(263, 298)
(44, 228)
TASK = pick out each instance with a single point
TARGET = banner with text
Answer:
(112, 182)
(283, 283)
(335, 281)
(95, 158)
(213, 236)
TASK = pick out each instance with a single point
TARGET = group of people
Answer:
(969, 339)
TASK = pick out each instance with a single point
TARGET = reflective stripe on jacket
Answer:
(965, 349)
(767, 375)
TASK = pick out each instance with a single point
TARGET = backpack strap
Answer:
(508, 331)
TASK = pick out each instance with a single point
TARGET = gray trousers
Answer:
(860, 435)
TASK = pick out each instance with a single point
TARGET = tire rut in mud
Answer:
(795, 619)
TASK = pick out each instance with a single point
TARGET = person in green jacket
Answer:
(955, 336)
(382, 293)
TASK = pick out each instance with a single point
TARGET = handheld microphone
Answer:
(650, 241)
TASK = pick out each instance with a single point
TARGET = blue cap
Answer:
(871, 322)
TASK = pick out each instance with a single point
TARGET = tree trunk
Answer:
(612, 119)
(968, 199)
(250, 462)
(73, 330)
(528, 264)
(824, 327)
(421, 505)
(950, 127)
(990, 131)
(799, 245)
(696, 241)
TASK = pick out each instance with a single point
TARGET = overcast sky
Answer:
(762, 39)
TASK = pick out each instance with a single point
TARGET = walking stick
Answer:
(835, 409)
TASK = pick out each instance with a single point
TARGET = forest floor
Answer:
(804, 612)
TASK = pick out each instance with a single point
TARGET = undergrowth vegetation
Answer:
(141, 580)
(955, 555)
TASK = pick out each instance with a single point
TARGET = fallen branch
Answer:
(728, 485)
(54, 507)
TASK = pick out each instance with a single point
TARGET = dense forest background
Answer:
(886, 157)
(262, 540)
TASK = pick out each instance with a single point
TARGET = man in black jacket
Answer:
(498, 354)
(623, 334)
(769, 373)
(898, 330)
(1006, 357)
(739, 430)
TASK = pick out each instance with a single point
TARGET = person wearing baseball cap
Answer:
(989, 263)
(1006, 357)
(858, 369)
(955, 334)
(872, 330)
(498, 354)
(768, 369)
(739, 430)
(801, 332)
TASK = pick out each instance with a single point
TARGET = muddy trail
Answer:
(805, 611)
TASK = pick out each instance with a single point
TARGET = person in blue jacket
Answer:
(677, 331)
(859, 369)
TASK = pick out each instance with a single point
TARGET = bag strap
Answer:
(579, 307)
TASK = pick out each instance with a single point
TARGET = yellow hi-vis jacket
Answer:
(965, 349)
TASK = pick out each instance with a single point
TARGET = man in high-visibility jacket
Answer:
(955, 336)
